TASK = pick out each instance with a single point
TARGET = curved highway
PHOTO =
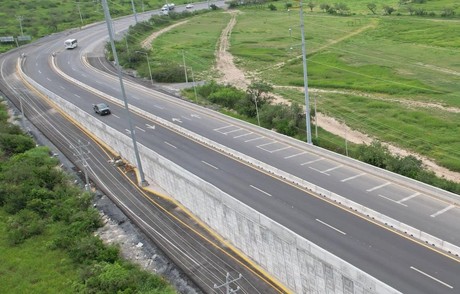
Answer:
(401, 263)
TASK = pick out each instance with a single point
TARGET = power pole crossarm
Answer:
(227, 283)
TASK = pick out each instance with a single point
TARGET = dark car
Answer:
(101, 109)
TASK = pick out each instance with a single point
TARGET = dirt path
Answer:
(230, 74)
(147, 43)
(236, 77)
(332, 42)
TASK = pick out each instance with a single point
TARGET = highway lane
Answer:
(411, 281)
(199, 255)
(404, 204)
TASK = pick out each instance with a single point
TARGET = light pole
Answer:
(79, 12)
(305, 79)
(148, 64)
(108, 20)
(134, 11)
(20, 19)
(257, 111)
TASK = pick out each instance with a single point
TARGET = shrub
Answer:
(23, 225)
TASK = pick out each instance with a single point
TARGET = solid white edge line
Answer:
(409, 197)
(431, 277)
(328, 225)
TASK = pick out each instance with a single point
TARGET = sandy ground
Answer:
(147, 42)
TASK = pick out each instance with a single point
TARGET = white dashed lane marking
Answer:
(260, 190)
(243, 135)
(329, 226)
(312, 161)
(208, 164)
(378, 187)
(353, 177)
(431, 277)
(409, 197)
(254, 139)
(294, 155)
(442, 211)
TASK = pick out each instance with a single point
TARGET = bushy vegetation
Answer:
(38, 201)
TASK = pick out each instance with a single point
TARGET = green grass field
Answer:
(33, 268)
(377, 68)
(196, 39)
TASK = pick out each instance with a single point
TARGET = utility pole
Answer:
(185, 67)
(305, 78)
(148, 64)
(134, 11)
(20, 18)
(79, 12)
(81, 152)
(227, 283)
(194, 86)
(108, 20)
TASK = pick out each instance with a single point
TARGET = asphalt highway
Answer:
(404, 264)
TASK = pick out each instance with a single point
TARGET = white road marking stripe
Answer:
(159, 107)
(387, 198)
(98, 82)
(282, 148)
(62, 87)
(48, 79)
(328, 225)
(311, 161)
(254, 139)
(320, 171)
(291, 156)
(115, 115)
(39, 71)
(232, 131)
(443, 210)
(76, 95)
(378, 187)
(409, 197)
(262, 191)
(170, 145)
(332, 168)
(185, 117)
(431, 277)
(140, 129)
(266, 144)
(247, 134)
(227, 126)
(353, 177)
(209, 164)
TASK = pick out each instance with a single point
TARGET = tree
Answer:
(388, 10)
(342, 8)
(311, 5)
(272, 7)
(372, 7)
(325, 7)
